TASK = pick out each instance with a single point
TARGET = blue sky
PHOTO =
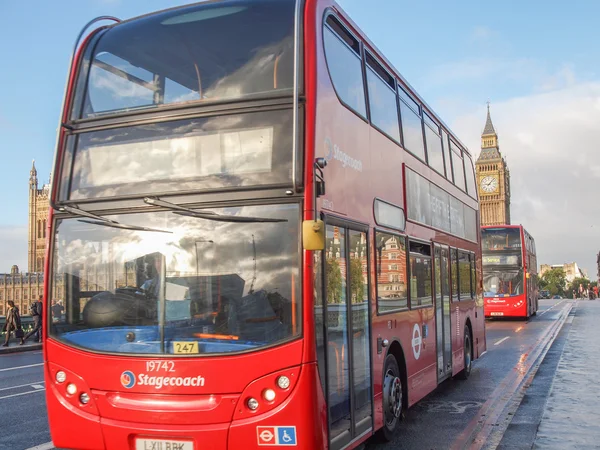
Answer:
(536, 62)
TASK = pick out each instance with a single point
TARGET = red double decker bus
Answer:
(264, 236)
(510, 281)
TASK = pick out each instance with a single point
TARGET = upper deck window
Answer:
(470, 172)
(412, 129)
(382, 99)
(232, 150)
(500, 239)
(434, 145)
(342, 51)
(446, 150)
(205, 52)
(457, 166)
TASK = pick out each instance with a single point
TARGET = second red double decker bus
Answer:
(263, 235)
(510, 281)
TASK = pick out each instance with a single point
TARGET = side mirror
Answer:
(313, 235)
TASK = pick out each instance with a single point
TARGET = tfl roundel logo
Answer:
(128, 379)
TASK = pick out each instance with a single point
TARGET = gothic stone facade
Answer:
(493, 179)
(38, 219)
(24, 288)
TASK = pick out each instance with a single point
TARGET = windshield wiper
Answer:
(99, 220)
(182, 211)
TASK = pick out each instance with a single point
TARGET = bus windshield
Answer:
(500, 239)
(502, 283)
(210, 51)
(184, 284)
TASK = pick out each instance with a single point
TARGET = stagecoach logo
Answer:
(128, 379)
(332, 151)
(416, 341)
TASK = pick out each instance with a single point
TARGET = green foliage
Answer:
(555, 281)
(357, 284)
(334, 281)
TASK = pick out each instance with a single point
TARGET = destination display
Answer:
(501, 260)
(430, 205)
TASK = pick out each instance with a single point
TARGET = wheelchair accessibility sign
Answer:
(276, 436)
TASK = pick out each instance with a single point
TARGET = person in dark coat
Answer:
(13, 321)
(36, 314)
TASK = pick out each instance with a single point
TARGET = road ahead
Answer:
(452, 416)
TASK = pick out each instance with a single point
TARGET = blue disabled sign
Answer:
(286, 435)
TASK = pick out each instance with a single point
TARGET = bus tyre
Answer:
(393, 400)
(468, 357)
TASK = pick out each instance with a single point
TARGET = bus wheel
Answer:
(392, 398)
(466, 372)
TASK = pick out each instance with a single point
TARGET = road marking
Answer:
(37, 386)
(502, 340)
(22, 385)
(22, 393)
(556, 304)
(46, 446)
(21, 367)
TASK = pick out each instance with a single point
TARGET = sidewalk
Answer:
(570, 418)
(14, 347)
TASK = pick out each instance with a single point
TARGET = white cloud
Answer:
(13, 247)
(550, 141)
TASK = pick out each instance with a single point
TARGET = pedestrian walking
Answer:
(57, 311)
(13, 322)
(36, 314)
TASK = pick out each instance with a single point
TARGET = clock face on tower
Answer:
(489, 184)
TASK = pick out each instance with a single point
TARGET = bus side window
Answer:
(342, 52)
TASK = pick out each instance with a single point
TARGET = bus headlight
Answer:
(283, 382)
(71, 389)
(84, 398)
(61, 377)
(252, 404)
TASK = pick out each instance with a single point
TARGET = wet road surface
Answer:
(458, 412)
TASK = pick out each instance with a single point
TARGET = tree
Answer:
(555, 281)
(334, 281)
(357, 284)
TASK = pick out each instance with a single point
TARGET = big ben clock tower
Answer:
(493, 179)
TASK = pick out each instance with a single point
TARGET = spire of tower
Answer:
(33, 176)
(489, 127)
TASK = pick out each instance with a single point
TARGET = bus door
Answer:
(347, 333)
(442, 311)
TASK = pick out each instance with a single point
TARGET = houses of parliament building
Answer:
(24, 287)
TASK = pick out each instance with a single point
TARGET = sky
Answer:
(537, 62)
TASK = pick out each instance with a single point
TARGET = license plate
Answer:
(163, 444)
(185, 347)
(497, 314)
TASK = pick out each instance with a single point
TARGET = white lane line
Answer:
(37, 386)
(549, 309)
(21, 367)
(46, 446)
(22, 393)
(502, 340)
(22, 385)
